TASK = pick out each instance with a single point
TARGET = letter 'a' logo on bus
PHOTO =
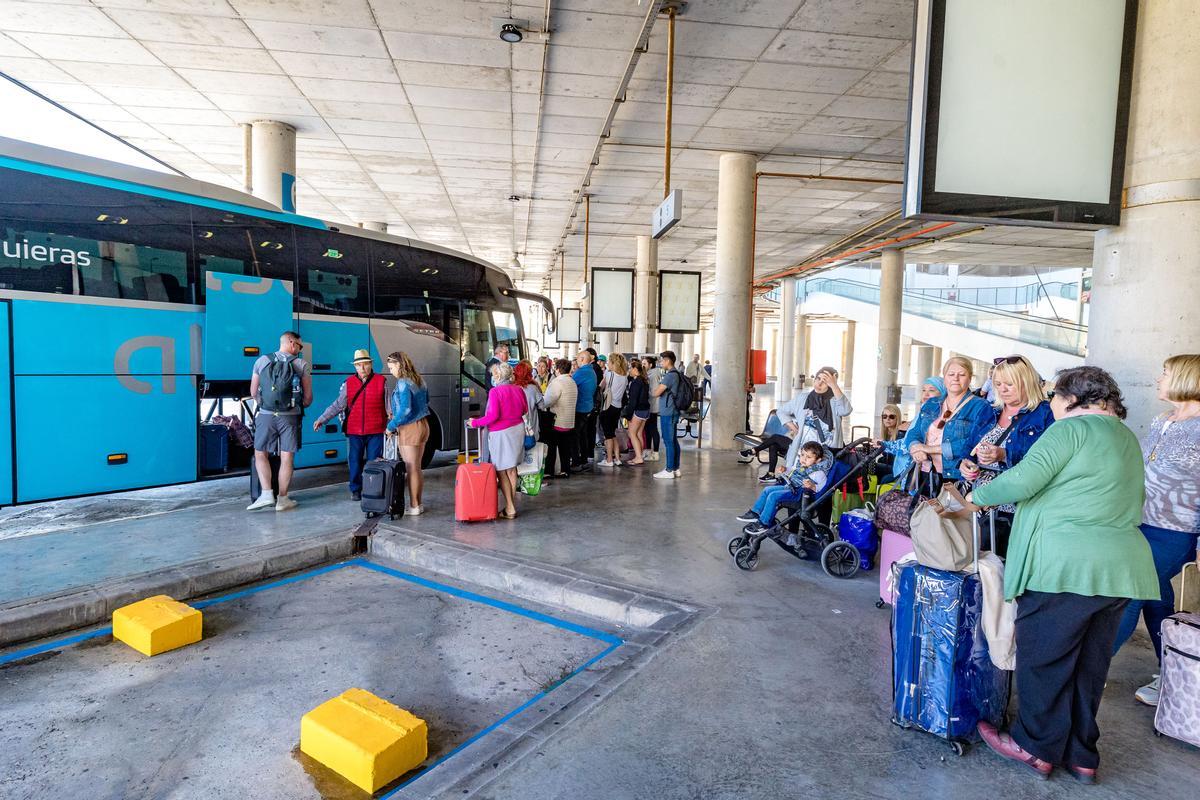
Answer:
(24, 251)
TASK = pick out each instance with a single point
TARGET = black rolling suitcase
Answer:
(383, 488)
(255, 488)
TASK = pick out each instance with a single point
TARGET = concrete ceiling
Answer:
(413, 112)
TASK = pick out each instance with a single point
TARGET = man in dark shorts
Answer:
(282, 385)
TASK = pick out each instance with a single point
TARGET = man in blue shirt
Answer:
(585, 381)
(668, 414)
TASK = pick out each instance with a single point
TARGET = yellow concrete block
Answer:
(363, 738)
(157, 624)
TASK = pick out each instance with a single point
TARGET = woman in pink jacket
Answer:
(504, 419)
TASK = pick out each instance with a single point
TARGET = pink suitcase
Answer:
(892, 547)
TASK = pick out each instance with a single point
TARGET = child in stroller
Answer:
(802, 481)
(802, 532)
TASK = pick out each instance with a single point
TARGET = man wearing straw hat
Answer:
(362, 403)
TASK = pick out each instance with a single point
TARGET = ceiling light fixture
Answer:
(511, 33)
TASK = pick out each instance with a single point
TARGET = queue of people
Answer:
(1093, 526)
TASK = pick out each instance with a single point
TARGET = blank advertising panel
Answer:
(612, 299)
(678, 302)
(570, 320)
(1019, 110)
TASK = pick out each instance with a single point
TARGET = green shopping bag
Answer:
(532, 469)
(847, 498)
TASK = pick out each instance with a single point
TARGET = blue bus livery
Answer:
(132, 302)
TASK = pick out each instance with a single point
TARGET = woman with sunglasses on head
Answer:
(1024, 415)
(948, 428)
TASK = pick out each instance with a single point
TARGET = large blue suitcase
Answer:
(214, 448)
(943, 680)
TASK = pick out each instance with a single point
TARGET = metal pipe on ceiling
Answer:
(587, 229)
(670, 96)
(562, 276)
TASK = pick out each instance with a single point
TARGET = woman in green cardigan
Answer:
(1075, 559)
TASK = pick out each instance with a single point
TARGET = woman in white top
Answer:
(616, 379)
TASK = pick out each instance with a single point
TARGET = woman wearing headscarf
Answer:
(816, 416)
(901, 461)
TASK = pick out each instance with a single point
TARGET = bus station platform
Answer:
(796, 662)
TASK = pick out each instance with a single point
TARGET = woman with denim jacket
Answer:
(409, 426)
(946, 430)
(1024, 415)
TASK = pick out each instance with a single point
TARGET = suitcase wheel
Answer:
(959, 747)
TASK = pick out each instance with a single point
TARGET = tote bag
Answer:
(942, 542)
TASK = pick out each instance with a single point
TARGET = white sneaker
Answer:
(605, 463)
(285, 503)
(1148, 694)
(413, 511)
(265, 500)
(666, 475)
(650, 456)
(676, 473)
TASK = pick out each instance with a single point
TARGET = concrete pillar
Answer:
(891, 303)
(1144, 286)
(661, 342)
(925, 366)
(734, 271)
(273, 162)
(645, 294)
(380, 227)
(938, 361)
(760, 327)
(772, 347)
(904, 370)
(847, 377)
(787, 344)
(802, 347)
(606, 342)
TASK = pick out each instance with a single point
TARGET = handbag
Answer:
(895, 507)
(530, 439)
(391, 450)
(943, 542)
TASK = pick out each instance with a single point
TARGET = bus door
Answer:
(243, 317)
(6, 409)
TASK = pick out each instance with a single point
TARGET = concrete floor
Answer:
(220, 719)
(784, 692)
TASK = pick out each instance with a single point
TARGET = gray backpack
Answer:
(275, 385)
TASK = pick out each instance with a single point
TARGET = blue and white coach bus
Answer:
(129, 299)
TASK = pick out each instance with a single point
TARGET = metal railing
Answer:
(1015, 296)
(1062, 336)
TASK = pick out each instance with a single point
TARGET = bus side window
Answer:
(242, 245)
(477, 343)
(509, 332)
(333, 273)
(68, 237)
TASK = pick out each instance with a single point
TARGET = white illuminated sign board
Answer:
(669, 212)
(612, 300)
(1019, 111)
(570, 321)
(678, 302)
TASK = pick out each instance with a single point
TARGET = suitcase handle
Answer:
(467, 439)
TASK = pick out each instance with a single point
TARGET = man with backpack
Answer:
(362, 402)
(282, 385)
(676, 395)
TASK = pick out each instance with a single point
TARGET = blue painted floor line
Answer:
(612, 641)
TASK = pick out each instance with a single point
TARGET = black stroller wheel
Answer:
(735, 544)
(746, 558)
(840, 559)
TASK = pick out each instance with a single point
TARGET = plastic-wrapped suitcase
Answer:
(1178, 712)
(475, 487)
(383, 488)
(943, 679)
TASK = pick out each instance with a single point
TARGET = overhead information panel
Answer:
(668, 213)
(612, 299)
(678, 302)
(570, 321)
(1019, 111)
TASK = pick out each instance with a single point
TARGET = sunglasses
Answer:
(1007, 360)
(941, 423)
(887, 416)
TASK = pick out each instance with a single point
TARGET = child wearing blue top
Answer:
(807, 477)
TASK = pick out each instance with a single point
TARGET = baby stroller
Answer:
(801, 532)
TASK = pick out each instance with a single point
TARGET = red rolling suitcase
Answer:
(474, 487)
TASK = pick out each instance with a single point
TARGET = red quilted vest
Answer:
(368, 414)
